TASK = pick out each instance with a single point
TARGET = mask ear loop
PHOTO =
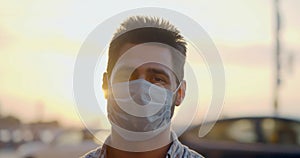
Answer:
(109, 86)
(175, 91)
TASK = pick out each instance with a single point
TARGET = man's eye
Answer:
(159, 80)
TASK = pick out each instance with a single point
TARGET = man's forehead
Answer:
(149, 67)
(132, 55)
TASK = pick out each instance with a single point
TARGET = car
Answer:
(247, 137)
(67, 143)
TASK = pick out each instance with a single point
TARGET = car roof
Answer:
(256, 118)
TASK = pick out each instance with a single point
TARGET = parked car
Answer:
(69, 143)
(247, 137)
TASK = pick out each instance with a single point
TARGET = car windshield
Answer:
(267, 130)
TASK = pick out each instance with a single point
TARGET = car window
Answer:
(296, 128)
(242, 131)
(235, 130)
(281, 132)
(69, 138)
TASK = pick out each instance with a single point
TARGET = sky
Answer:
(39, 42)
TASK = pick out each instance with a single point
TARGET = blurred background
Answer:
(39, 40)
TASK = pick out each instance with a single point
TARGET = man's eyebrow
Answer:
(159, 71)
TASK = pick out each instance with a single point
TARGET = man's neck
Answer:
(157, 153)
(157, 146)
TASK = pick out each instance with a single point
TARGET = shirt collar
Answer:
(174, 148)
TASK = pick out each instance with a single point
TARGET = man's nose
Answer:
(139, 92)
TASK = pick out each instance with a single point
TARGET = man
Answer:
(142, 85)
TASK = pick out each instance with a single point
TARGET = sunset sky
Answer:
(39, 41)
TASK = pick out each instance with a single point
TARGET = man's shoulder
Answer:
(191, 153)
(96, 153)
(179, 150)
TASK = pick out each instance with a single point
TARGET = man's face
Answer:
(150, 62)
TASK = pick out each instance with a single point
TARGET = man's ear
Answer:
(180, 93)
(105, 84)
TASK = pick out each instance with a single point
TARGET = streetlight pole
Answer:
(277, 58)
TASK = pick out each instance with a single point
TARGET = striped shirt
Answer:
(176, 150)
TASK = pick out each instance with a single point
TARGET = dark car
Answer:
(247, 137)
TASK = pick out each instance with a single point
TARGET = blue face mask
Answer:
(139, 106)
